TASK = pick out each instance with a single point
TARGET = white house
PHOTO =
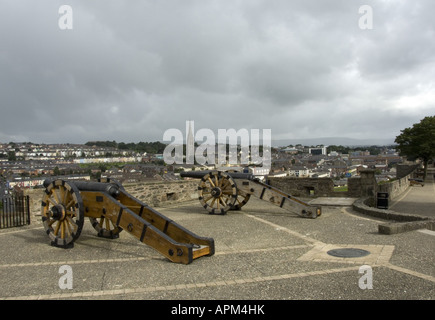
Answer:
(299, 171)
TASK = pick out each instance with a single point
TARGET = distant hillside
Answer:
(334, 141)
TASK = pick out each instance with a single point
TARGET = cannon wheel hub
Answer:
(58, 212)
(216, 192)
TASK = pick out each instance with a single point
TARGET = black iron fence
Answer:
(14, 211)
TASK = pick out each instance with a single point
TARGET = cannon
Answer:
(415, 181)
(110, 209)
(219, 192)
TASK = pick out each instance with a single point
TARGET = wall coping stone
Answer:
(401, 222)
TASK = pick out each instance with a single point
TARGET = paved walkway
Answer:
(262, 252)
(417, 199)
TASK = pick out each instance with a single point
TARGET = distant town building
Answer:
(298, 171)
(317, 151)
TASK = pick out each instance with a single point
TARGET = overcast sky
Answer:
(129, 70)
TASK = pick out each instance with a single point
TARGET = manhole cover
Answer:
(348, 253)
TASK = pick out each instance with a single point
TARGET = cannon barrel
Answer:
(109, 188)
(200, 174)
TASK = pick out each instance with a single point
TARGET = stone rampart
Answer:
(159, 193)
(362, 186)
(154, 194)
(396, 187)
(163, 193)
(304, 187)
(396, 222)
(35, 198)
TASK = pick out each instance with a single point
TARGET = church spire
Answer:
(190, 142)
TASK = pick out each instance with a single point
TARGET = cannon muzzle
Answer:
(110, 188)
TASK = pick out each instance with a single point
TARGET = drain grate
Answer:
(348, 253)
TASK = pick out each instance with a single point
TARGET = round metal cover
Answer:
(348, 253)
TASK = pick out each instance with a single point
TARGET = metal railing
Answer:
(14, 211)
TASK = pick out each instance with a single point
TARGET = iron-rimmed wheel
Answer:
(242, 197)
(241, 200)
(62, 213)
(217, 192)
(105, 227)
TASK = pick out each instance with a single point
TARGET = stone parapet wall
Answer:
(304, 187)
(35, 198)
(324, 187)
(396, 222)
(396, 187)
(154, 194)
(363, 186)
(159, 193)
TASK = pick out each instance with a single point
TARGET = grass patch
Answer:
(340, 189)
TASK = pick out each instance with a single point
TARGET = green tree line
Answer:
(374, 150)
(149, 147)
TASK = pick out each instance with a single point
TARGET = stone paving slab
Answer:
(325, 201)
(378, 254)
(418, 200)
(262, 252)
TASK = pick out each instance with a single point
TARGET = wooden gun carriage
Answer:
(219, 192)
(111, 209)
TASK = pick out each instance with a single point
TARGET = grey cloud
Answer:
(130, 70)
(401, 41)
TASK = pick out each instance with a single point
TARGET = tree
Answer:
(12, 156)
(56, 171)
(418, 141)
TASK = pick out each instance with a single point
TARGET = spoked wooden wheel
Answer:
(241, 200)
(217, 192)
(105, 227)
(62, 213)
(242, 197)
